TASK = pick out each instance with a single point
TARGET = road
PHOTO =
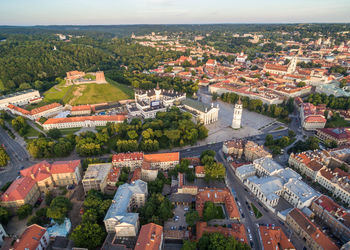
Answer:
(18, 158)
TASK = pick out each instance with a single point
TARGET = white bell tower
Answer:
(237, 115)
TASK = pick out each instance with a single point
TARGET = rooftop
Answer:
(299, 188)
(198, 105)
(150, 237)
(268, 164)
(119, 208)
(274, 238)
(30, 238)
(97, 171)
(162, 157)
(18, 190)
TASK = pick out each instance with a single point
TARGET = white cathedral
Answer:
(237, 115)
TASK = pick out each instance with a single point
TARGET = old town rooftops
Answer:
(112, 118)
(30, 238)
(162, 157)
(150, 237)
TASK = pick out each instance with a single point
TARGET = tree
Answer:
(40, 218)
(191, 218)
(214, 171)
(189, 245)
(268, 140)
(4, 215)
(211, 211)
(88, 235)
(208, 152)
(301, 84)
(219, 241)
(24, 211)
(54, 133)
(90, 216)
(4, 157)
(18, 123)
(59, 208)
(214, 96)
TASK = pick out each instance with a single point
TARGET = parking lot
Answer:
(178, 222)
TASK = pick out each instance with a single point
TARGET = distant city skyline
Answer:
(114, 12)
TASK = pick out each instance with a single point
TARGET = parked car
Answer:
(186, 209)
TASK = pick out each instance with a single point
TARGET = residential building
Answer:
(312, 117)
(237, 231)
(309, 162)
(298, 193)
(267, 189)
(340, 135)
(119, 218)
(253, 151)
(245, 171)
(266, 166)
(82, 121)
(332, 215)
(272, 238)
(132, 160)
(80, 110)
(185, 189)
(163, 161)
(19, 98)
(150, 237)
(216, 195)
(22, 191)
(200, 171)
(201, 112)
(44, 111)
(314, 238)
(96, 176)
(234, 147)
(34, 237)
(59, 173)
(148, 172)
(113, 176)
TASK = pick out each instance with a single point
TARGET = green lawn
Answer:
(54, 95)
(32, 132)
(337, 122)
(99, 93)
(68, 131)
(256, 211)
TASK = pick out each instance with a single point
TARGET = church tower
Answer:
(237, 115)
(157, 91)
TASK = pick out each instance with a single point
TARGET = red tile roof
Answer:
(150, 237)
(38, 172)
(200, 170)
(127, 157)
(18, 109)
(136, 175)
(113, 174)
(315, 118)
(217, 195)
(112, 118)
(45, 108)
(30, 238)
(237, 231)
(162, 157)
(310, 228)
(18, 190)
(274, 238)
(60, 167)
(337, 133)
(81, 108)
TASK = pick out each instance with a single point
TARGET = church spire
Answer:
(239, 100)
(157, 88)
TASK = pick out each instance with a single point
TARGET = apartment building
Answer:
(216, 195)
(96, 176)
(272, 238)
(333, 215)
(163, 161)
(200, 171)
(132, 160)
(234, 147)
(253, 151)
(340, 135)
(314, 238)
(298, 193)
(81, 110)
(22, 191)
(236, 231)
(245, 171)
(150, 237)
(34, 237)
(119, 219)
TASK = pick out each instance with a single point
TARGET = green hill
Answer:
(88, 93)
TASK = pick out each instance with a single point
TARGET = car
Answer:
(242, 215)
(246, 202)
(22, 167)
(248, 230)
(239, 204)
(186, 209)
(251, 213)
(188, 150)
(252, 244)
(250, 237)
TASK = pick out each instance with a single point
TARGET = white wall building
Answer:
(245, 171)
(298, 193)
(266, 166)
(19, 98)
(200, 111)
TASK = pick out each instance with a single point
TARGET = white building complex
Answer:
(20, 98)
(201, 112)
(119, 218)
(272, 181)
(150, 102)
(237, 115)
(82, 121)
(46, 111)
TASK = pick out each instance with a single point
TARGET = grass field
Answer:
(87, 93)
(68, 131)
(256, 211)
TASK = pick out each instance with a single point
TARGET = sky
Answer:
(85, 12)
